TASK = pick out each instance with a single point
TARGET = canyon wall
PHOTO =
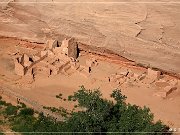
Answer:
(142, 31)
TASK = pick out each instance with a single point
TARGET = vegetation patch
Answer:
(11, 110)
(96, 114)
(59, 96)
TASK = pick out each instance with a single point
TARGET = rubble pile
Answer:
(151, 77)
(165, 87)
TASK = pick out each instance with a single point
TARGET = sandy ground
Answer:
(44, 90)
(131, 28)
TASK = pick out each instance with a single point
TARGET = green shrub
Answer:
(8, 104)
(1, 122)
(97, 115)
(1, 133)
(11, 110)
(22, 105)
(59, 96)
(23, 123)
(2, 103)
(102, 115)
(26, 111)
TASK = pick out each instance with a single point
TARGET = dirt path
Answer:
(29, 102)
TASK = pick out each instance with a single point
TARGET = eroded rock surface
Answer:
(147, 32)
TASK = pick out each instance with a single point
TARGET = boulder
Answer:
(19, 69)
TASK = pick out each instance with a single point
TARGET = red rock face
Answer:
(146, 33)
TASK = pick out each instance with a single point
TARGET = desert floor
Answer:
(43, 89)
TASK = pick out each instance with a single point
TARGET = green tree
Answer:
(95, 114)
(11, 110)
(102, 115)
(26, 111)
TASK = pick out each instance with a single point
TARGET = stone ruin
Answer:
(21, 63)
(55, 58)
(165, 91)
(120, 78)
(58, 58)
(72, 49)
(19, 68)
(151, 76)
(166, 87)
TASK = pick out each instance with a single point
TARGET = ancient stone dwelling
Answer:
(55, 58)
(51, 60)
